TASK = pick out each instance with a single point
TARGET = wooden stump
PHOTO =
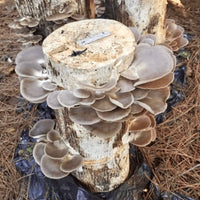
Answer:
(106, 161)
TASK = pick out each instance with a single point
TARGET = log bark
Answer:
(147, 16)
(41, 9)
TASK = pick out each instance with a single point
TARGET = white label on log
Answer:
(93, 38)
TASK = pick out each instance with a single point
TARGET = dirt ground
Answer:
(174, 157)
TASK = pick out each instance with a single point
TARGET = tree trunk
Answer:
(41, 9)
(148, 16)
(106, 161)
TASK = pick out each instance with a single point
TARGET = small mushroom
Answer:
(123, 100)
(67, 99)
(103, 105)
(32, 39)
(155, 102)
(29, 54)
(81, 93)
(56, 149)
(139, 123)
(51, 168)
(105, 129)
(139, 94)
(141, 138)
(83, 115)
(174, 35)
(48, 85)
(53, 135)
(71, 163)
(52, 100)
(125, 85)
(41, 128)
(38, 152)
(29, 69)
(31, 89)
(114, 115)
(136, 109)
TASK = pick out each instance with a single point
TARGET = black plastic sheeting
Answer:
(69, 188)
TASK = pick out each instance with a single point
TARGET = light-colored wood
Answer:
(148, 16)
(104, 59)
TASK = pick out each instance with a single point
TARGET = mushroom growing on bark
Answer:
(105, 89)
(174, 35)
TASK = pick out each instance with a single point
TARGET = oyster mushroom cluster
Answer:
(174, 35)
(143, 87)
(51, 151)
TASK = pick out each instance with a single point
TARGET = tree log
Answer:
(41, 9)
(147, 16)
(106, 161)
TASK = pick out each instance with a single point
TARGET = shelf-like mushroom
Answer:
(41, 128)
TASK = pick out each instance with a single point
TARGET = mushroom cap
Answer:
(139, 123)
(155, 102)
(29, 54)
(142, 138)
(88, 101)
(122, 100)
(159, 83)
(48, 85)
(31, 39)
(106, 87)
(53, 135)
(139, 94)
(56, 149)
(104, 129)
(51, 168)
(81, 93)
(151, 63)
(136, 109)
(31, 89)
(29, 69)
(38, 152)
(103, 105)
(67, 99)
(83, 115)
(125, 85)
(114, 115)
(52, 100)
(71, 163)
(41, 128)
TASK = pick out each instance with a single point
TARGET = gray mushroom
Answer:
(41, 128)
(51, 168)
(105, 129)
(67, 99)
(114, 115)
(29, 54)
(103, 105)
(71, 163)
(29, 69)
(56, 149)
(52, 100)
(31, 89)
(38, 152)
(155, 102)
(83, 115)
